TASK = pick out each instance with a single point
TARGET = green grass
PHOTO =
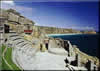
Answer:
(0, 58)
(4, 66)
(8, 57)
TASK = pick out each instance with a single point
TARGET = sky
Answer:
(81, 15)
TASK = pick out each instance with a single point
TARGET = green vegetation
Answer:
(0, 58)
(8, 58)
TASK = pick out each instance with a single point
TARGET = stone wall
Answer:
(16, 21)
(13, 17)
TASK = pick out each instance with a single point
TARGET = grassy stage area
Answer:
(8, 57)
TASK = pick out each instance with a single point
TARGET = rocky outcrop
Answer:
(85, 57)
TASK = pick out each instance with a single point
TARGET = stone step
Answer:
(12, 38)
(24, 44)
(13, 35)
(16, 39)
(19, 42)
(24, 48)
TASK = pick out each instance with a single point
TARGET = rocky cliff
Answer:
(89, 32)
(54, 30)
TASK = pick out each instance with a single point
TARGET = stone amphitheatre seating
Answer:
(21, 44)
(18, 41)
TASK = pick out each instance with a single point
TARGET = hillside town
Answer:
(30, 45)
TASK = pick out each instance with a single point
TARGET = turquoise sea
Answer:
(88, 43)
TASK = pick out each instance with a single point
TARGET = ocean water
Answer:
(87, 43)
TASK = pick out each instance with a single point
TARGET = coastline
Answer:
(62, 34)
(68, 34)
